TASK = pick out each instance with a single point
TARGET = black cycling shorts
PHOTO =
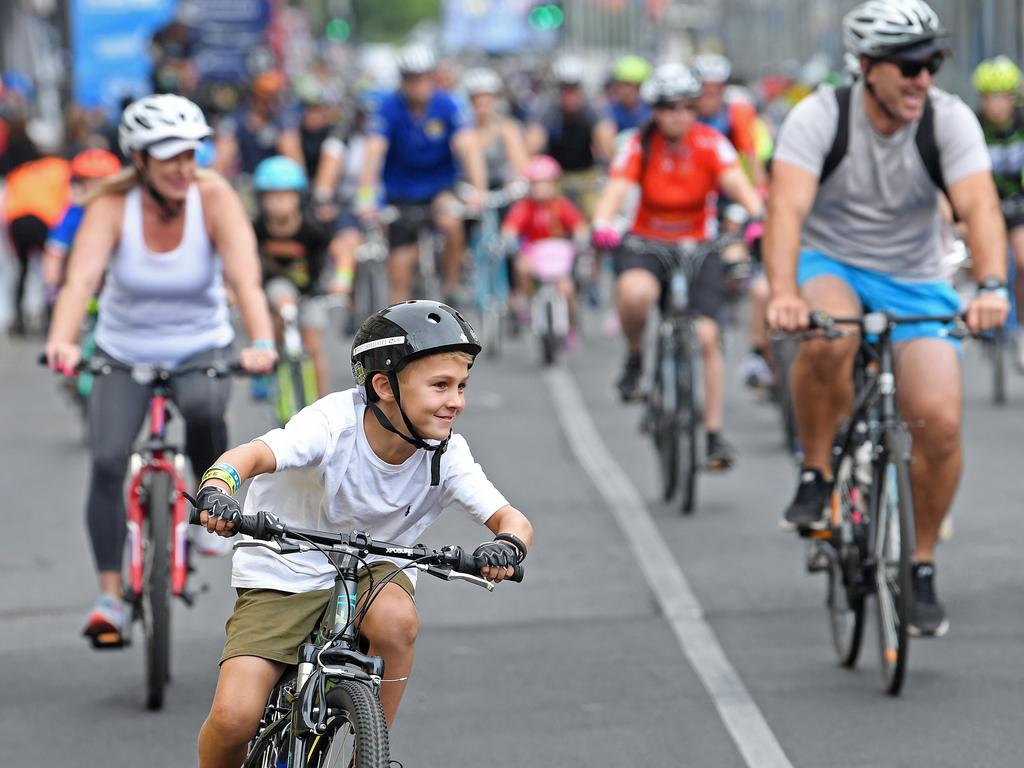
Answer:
(706, 292)
(413, 217)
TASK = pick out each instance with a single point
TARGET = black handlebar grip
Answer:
(252, 525)
(193, 517)
(469, 564)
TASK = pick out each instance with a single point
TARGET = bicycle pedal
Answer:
(109, 641)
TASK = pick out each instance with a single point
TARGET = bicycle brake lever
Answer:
(448, 574)
(275, 545)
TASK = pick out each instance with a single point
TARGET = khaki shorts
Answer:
(272, 624)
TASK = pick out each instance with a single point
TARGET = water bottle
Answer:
(679, 290)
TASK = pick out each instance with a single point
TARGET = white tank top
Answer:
(162, 308)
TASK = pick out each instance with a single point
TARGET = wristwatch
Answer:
(996, 285)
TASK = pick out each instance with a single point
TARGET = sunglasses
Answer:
(911, 68)
(676, 106)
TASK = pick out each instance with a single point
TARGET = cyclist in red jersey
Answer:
(680, 166)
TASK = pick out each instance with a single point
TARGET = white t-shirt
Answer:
(329, 479)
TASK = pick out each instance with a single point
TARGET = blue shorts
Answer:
(879, 292)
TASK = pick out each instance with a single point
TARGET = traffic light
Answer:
(548, 16)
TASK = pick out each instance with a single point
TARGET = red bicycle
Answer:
(157, 566)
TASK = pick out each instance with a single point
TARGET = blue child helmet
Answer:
(279, 173)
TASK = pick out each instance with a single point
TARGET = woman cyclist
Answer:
(167, 237)
(679, 166)
(997, 82)
(500, 135)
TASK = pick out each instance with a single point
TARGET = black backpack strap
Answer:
(928, 147)
(842, 139)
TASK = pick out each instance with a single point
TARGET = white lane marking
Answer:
(741, 716)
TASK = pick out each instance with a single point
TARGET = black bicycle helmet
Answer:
(390, 339)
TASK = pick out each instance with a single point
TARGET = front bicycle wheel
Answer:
(686, 416)
(661, 421)
(357, 734)
(782, 358)
(844, 599)
(893, 510)
(156, 589)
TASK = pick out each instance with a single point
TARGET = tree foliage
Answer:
(391, 20)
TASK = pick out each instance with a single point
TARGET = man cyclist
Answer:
(573, 133)
(626, 108)
(679, 166)
(870, 241)
(411, 146)
(734, 118)
(997, 82)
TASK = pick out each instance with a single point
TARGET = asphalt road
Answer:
(577, 666)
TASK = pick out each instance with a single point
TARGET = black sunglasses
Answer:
(911, 68)
(686, 105)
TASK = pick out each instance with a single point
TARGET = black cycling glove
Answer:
(505, 551)
(219, 504)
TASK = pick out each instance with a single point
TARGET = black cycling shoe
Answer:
(629, 382)
(927, 614)
(721, 455)
(807, 509)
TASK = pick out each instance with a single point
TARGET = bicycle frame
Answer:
(156, 456)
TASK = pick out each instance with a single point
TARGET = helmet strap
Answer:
(168, 211)
(413, 438)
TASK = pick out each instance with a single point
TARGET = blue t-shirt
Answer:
(419, 163)
(62, 235)
(721, 121)
(626, 119)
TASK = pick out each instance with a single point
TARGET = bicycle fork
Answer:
(140, 469)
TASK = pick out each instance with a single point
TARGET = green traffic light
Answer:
(337, 30)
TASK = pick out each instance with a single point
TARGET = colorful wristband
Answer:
(213, 473)
(231, 471)
(365, 196)
(344, 275)
(263, 344)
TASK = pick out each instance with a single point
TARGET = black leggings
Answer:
(28, 236)
(118, 407)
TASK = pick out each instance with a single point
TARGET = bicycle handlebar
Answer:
(101, 366)
(267, 527)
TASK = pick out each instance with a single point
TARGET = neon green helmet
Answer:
(631, 69)
(998, 75)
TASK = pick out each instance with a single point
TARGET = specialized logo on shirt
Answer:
(408, 510)
(434, 128)
(284, 249)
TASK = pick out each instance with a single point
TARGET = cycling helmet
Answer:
(390, 339)
(568, 70)
(631, 69)
(94, 164)
(998, 75)
(279, 174)
(879, 28)
(712, 68)
(670, 82)
(163, 125)
(481, 80)
(543, 168)
(416, 59)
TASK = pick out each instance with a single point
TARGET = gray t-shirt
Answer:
(878, 210)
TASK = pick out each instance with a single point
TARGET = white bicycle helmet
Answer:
(568, 70)
(481, 80)
(712, 68)
(879, 28)
(670, 82)
(164, 125)
(416, 59)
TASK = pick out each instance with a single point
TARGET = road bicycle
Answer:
(674, 414)
(157, 566)
(867, 544)
(370, 286)
(325, 711)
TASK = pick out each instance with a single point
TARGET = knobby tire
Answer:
(357, 713)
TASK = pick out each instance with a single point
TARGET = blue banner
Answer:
(226, 31)
(110, 48)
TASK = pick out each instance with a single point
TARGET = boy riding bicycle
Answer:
(381, 458)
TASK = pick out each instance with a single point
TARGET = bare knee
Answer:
(637, 290)
(936, 431)
(234, 722)
(392, 626)
(824, 357)
(708, 336)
